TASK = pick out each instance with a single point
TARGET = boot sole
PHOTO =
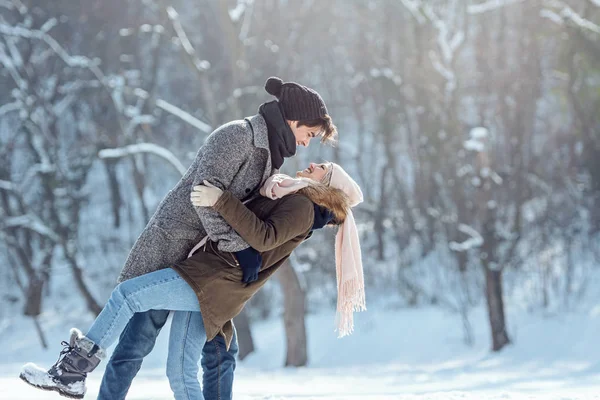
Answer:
(52, 389)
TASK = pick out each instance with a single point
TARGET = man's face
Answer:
(303, 133)
(314, 171)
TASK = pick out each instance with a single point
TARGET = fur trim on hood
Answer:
(332, 199)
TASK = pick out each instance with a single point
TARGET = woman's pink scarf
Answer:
(348, 262)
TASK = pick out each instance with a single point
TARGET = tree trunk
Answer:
(568, 269)
(33, 305)
(293, 316)
(380, 216)
(140, 183)
(40, 333)
(92, 304)
(495, 303)
(115, 193)
(242, 326)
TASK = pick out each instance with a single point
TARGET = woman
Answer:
(209, 281)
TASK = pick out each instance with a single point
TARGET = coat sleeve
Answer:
(224, 152)
(291, 218)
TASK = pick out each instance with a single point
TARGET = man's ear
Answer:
(292, 124)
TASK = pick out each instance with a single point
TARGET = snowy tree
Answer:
(471, 126)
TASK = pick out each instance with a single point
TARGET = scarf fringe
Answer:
(351, 298)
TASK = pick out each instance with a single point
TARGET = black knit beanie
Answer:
(297, 102)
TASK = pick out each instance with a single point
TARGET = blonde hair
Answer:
(335, 200)
(327, 178)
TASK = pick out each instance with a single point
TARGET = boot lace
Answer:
(67, 348)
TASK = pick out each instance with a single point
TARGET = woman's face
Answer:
(315, 172)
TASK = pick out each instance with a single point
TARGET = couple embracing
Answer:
(213, 242)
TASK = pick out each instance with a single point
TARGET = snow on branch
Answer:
(440, 67)
(7, 185)
(51, 23)
(75, 86)
(413, 7)
(39, 145)
(490, 5)
(8, 107)
(31, 222)
(34, 170)
(84, 62)
(245, 29)
(162, 104)
(552, 16)
(21, 8)
(568, 13)
(201, 65)
(447, 47)
(560, 12)
(185, 116)
(10, 66)
(15, 54)
(423, 12)
(72, 61)
(143, 148)
(139, 120)
(176, 111)
(7, 4)
(236, 13)
(475, 239)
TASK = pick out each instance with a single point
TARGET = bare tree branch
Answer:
(566, 13)
(93, 66)
(144, 148)
(490, 5)
(30, 222)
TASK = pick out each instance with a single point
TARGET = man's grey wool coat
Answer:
(235, 157)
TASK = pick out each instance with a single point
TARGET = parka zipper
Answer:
(216, 252)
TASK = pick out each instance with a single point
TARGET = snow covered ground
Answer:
(405, 354)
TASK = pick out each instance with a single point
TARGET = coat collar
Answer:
(259, 130)
(261, 140)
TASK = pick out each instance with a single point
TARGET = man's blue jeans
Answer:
(138, 339)
(186, 348)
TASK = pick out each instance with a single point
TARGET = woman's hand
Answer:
(205, 195)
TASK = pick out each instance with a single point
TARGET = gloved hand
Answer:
(322, 217)
(250, 260)
(205, 195)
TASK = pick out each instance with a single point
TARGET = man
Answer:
(239, 157)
